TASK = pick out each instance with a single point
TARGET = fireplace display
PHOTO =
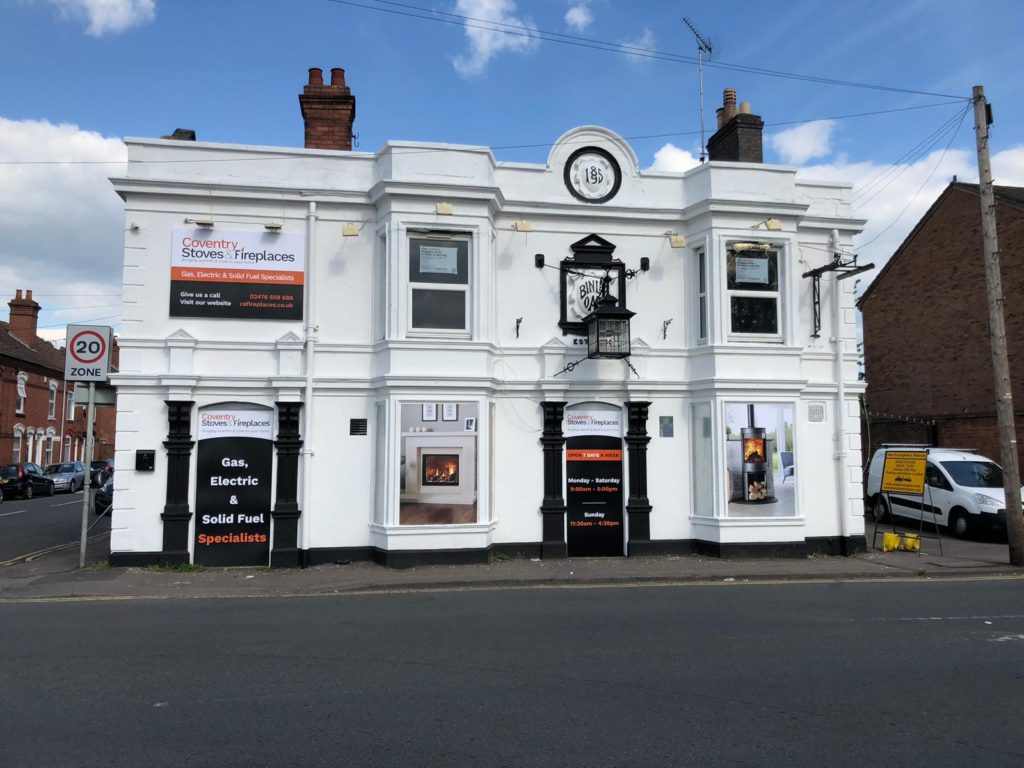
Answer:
(757, 476)
(440, 469)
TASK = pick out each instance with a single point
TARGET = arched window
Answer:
(51, 406)
(19, 402)
(19, 432)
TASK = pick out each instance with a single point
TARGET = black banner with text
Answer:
(593, 466)
(233, 478)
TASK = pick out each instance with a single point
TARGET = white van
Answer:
(963, 491)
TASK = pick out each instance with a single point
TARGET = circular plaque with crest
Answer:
(592, 175)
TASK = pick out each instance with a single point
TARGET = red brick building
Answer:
(38, 419)
(926, 339)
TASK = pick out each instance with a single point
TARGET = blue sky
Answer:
(76, 76)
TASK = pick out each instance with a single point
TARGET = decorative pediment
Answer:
(593, 248)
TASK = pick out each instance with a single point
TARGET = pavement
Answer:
(54, 575)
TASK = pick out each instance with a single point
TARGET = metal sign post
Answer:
(87, 495)
(87, 359)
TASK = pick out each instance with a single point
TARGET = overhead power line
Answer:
(497, 147)
(427, 14)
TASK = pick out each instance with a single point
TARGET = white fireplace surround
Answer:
(462, 445)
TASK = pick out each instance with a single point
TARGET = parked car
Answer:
(99, 471)
(963, 491)
(25, 479)
(68, 476)
(103, 497)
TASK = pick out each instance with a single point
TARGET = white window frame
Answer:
(700, 280)
(19, 434)
(67, 449)
(778, 251)
(21, 394)
(69, 394)
(48, 451)
(51, 403)
(466, 332)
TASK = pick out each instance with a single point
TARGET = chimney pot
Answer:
(729, 103)
(24, 317)
(738, 138)
(328, 111)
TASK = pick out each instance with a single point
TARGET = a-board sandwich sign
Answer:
(87, 353)
(246, 275)
(903, 472)
(233, 478)
(593, 466)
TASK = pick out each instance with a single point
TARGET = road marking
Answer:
(947, 618)
(15, 512)
(29, 557)
(66, 503)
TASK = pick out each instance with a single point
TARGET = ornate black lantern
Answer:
(608, 328)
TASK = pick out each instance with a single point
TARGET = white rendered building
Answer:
(332, 354)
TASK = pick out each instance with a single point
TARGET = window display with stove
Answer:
(756, 435)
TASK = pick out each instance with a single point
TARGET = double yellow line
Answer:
(28, 558)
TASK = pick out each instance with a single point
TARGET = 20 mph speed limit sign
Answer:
(87, 354)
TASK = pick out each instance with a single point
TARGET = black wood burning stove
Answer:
(758, 483)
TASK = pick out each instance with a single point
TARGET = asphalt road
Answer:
(44, 522)
(843, 674)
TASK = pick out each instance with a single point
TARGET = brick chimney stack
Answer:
(328, 111)
(738, 138)
(24, 317)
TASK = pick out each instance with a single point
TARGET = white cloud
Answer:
(579, 17)
(672, 158)
(108, 15)
(63, 224)
(882, 199)
(805, 142)
(646, 42)
(484, 44)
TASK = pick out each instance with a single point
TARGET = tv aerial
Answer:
(703, 46)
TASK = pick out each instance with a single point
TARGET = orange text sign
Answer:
(904, 472)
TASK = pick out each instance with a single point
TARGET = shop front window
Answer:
(439, 285)
(752, 281)
(759, 459)
(701, 458)
(438, 471)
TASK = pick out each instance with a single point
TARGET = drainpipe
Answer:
(307, 410)
(840, 452)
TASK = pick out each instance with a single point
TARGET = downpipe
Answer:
(840, 455)
(307, 410)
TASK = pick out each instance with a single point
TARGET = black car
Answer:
(25, 479)
(99, 471)
(103, 498)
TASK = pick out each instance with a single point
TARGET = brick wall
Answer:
(927, 353)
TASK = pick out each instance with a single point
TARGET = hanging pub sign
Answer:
(233, 476)
(593, 467)
(582, 282)
(247, 275)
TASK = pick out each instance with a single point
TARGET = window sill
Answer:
(438, 333)
(756, 338)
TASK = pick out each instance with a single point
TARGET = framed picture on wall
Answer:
(449, 412)
(429, 412)
(469, 424)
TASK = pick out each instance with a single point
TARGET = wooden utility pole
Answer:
(997, 334)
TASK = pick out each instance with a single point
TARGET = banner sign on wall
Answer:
(248, 275)
(593, 465)
(233, 477)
